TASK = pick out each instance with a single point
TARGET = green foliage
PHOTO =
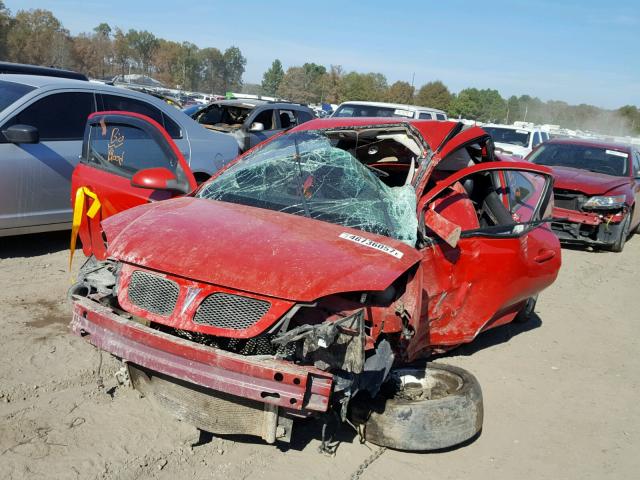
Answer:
(400, 92)
(272, 78)
(234, 65)
(363, 86)
(435, 95)
(483, 105)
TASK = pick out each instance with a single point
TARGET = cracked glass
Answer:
(304, 174)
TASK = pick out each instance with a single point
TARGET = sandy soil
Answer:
(560, 392)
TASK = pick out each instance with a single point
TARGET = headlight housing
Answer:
(606, 203)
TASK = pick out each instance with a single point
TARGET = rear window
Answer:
(11, 91)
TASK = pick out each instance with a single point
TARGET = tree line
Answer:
(38, 37)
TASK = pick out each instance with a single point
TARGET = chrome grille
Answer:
(234, 312)
(153, 293)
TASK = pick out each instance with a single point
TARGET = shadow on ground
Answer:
(34, 245)
(494, 337)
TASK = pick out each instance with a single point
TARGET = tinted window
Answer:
(126, 104)
(524, 190)
(124, 149)
(509, 135)
(371, 111)
(10, 92)
(636, 164)
(441, 116)
(61, 116)
(425, 116)
(303, 116)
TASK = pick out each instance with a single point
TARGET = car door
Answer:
(259, 126)
(128, 159)
(635, 171)
(36, 177)
(486, 269)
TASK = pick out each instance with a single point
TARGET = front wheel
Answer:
(623, 233)
(420, 408)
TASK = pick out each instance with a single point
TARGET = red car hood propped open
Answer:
(252, 249)
(590, 183)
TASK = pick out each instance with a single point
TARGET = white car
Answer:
(381, 109)
(516, 140)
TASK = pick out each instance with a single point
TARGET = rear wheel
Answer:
(623, 233)
(426, 407)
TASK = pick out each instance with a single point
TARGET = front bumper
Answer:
(301, 390)
(586, 228)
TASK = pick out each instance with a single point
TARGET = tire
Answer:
(618, 245)
(526, 313)
(439, 406)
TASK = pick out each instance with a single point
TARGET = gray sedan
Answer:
(42, 121)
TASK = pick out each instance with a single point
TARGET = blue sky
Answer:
(577, 51)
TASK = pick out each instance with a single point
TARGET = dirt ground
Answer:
(561, 393)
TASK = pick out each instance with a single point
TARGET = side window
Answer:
(441, 116)
(61, 116)
(303, 116)
(524, 192)
(126, 104)
(287, 118)
(266, 118)
(425, 116)
(536, 139)
(636, 164)
(125, 149)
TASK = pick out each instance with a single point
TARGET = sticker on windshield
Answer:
(617, 154)
(403, 113)
(371, 244)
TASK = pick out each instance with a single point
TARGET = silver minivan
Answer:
(42, 121)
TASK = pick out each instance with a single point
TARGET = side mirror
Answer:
(158, 179)
(256, 127)
(21, 134)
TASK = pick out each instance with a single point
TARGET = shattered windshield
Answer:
(304, 174)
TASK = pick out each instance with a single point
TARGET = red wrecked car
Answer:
(310, 276)
(596, 190)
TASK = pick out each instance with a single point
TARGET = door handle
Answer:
(544, 255)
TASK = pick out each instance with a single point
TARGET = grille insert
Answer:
(153, 293)
(568, 199)
(233, 312)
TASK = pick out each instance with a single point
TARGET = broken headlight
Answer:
(604, 202)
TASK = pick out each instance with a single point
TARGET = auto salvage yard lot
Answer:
(560, 392)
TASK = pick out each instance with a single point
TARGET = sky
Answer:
(582, 51)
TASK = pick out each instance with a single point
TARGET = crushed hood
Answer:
(589, 183)
(255, 250)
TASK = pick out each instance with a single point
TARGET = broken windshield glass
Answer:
(304, 174)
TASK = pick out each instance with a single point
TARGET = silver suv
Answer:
(42, 121)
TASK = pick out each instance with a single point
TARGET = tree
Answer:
(121, 51)
(363, 86)
(334, 84)
(212, 70)
(234, 65)
(483, 105)
(435, 95)
(292, 86)
(143, 44)
(400, 92)
(37, 37)
(103, 30)
(6, 22)
(272, 78)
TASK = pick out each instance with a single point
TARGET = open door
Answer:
(488, 245)
(127, 160)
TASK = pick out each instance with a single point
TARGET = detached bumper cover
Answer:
(586, 228)
(297, 388)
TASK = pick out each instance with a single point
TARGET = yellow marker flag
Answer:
(78, 208)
